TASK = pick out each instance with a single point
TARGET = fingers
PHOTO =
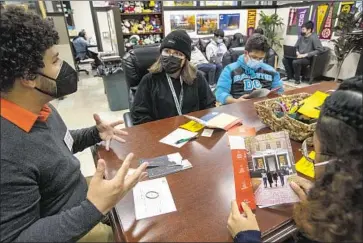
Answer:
(121, 140)
(97, 119)
(134, 178)
(120, 132)
(122, 172)
(116, 123)
(108, 142)
(100, 170)
(234, 208)
(143, 176)
(247, 210)
(298, 190)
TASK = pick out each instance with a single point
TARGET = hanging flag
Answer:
(302, 16)
(251, 21)
(327, 31)
(321, 12)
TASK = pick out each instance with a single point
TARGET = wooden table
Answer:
(202, 194)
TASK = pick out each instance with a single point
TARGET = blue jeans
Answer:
(210, 70)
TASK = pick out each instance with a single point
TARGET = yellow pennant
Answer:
(322, 10)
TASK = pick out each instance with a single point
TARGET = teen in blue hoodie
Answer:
(249, 73)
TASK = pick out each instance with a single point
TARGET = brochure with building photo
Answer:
(269, 160)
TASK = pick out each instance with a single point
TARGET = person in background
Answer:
(80, 44)
(264, 178)
(331, 209)
(275, 177)
(249, 73)
(216, 48)
(173, 85)
(237, 41)
(270, 54)
(269, 178)
(201, 63)
(44, 196)
(307, 46)
(281, 175)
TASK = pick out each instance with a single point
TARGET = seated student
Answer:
(270, 54)
(307, 46)
(240, 78)
(200, 62)
(80, 44)
(44, 196)
(173, 86)
(216, 48)
(331, 209)
(237, 41)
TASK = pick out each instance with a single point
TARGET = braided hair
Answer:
(333, 210)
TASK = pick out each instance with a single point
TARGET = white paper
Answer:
(236, 142)
(176, 135)
(207, 132)
(176, 157)
(186, 164)
(149, 207)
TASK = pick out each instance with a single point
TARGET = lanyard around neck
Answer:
(178, 103)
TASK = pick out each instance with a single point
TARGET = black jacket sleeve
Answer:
(206, 97)
(141, 110)
(84, 138)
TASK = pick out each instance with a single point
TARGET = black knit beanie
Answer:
(178, 40)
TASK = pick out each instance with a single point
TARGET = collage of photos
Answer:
(204, 24)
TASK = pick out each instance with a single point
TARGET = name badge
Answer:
(68, 140)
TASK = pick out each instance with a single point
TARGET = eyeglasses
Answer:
(173, 53)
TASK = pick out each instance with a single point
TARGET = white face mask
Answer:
(253, 63)
(219, 40)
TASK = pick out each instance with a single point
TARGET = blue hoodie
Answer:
(245, 80)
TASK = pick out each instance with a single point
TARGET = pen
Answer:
(183, 140)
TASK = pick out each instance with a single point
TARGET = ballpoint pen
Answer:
(183, 140)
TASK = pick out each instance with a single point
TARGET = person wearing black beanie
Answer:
(173, 85)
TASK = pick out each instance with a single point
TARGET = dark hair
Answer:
(219, 32)
(258, 31)
(24, 39)
(237, 40)
(82, 33)
(257, 42)
(333, 211)
(308, 25)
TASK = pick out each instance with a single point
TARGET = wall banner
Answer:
(251, 21)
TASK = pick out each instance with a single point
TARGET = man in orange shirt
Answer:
(44, 196)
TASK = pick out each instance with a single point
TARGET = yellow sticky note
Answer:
(192, 126)
(310, 107)
(306, 167)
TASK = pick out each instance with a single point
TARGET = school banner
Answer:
(251, 21)
(297, 17)
(323, 18)
(327, 30)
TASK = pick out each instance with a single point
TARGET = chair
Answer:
(317, 65)
(232, 55)
(78, 61)
(135, 64)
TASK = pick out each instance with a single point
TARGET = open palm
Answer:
(107, 131)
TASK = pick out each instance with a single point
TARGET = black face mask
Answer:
(66, 81)
(171, 64)
(303, 33)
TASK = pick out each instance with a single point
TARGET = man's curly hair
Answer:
(24, 39)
